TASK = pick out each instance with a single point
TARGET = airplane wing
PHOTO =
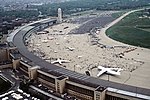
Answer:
(101, 72)
(60, 62)
(114, 72)
(113, 68)
(53, 62)
(65, 61)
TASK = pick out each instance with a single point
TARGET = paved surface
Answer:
(18, 41)
(96, 22)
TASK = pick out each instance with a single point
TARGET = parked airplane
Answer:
(57, 43)
(60, 61)
(79, 57)
(70, 48)
(44, 41)
(38, 44)
(50, 38)
(113, 71)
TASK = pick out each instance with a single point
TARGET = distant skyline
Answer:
(3, 2)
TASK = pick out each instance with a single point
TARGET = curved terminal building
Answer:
(60, 80)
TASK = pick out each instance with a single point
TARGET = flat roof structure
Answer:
(3, 45)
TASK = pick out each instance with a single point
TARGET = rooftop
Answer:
(83, 82)
(61, 77)
(100, 88)
(51, 72)
(3, 45)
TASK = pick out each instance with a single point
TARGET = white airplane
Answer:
(44, 41)
(38, 44)
(79, 56)
(50, 38)
(55, 51)
(113, 71)
(57, 43)
(70, 48)
(60, 61)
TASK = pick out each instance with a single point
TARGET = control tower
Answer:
(59, 20)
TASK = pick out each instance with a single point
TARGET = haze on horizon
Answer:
(3, 2)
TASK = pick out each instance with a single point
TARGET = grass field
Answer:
(132, 30)
(116, 15)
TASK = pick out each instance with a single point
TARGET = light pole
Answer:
(108, 77)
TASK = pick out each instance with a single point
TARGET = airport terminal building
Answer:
(61, 81)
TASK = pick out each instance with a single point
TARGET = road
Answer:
(8, 75)
(45, 93)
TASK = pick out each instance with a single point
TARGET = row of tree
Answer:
(82, 5)
(75, 6)
(19, 13)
